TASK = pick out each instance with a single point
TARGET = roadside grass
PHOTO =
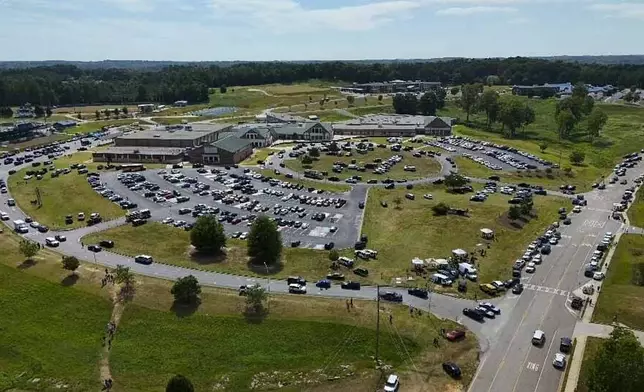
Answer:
(570, 356)
(40, 141)
(636, 210)
(67, 194)
(623, 134)
(259, 154)
(96, 126)
(325, 186)
(623, 289)
(301, 339)
(550, 180)
(590, 352)
(411, 230)
(298, 88)
(425, 166)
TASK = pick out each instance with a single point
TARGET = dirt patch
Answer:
(505, 221)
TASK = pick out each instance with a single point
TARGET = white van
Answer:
(441, 279)
(4, 216)
(466, 269)
(51, 241)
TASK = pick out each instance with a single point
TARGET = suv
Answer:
(143, 259)
(538, 338)
(474, 314)
(392, 383)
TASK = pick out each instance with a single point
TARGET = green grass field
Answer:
(425, 166)
(401, 234)
(259, 154)
(94, 126)
(63, 195)
(621, 295)
(54, 334)
(325, 186)
(590, 352)
(386, 107)
(636, 210)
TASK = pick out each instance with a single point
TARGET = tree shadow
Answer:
(260, 269)
(27, 264)
(205, 258)
(70, 280)
(255, 316)
(182, 310)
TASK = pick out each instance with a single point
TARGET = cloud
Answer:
(620, 10)
(464, 11)
(289, 15)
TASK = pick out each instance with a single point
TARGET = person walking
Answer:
(391, 319)
(351, 302)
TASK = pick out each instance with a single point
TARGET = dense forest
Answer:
(69, 84)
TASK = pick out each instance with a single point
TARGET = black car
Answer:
(94, 248)
(43, 228)
(418, 292)
(350, 285)
(329, 246)
(361, 205)
(361, 272)
(474, 314)
(517, 289)
(391, 296)
(295, 244)
(106, 243)
(546, 249)
(565, 345)
(452, 369)
(567, 221)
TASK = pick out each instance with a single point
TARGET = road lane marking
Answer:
(533, 366)
(546, 359)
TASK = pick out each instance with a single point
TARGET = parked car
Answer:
(335, 276)
(473, 314)
(94, 248)
(418, 292)
(144, 259)
(491, 307)
(392, 384)
(106, 243)
(452, 369)
(565, 345)
(455, 335)
(350, 285)
(361, 272)
(517, 289)
(559, 361)
(323, 283)
(391, 296)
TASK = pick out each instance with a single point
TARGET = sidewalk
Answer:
(583, 329)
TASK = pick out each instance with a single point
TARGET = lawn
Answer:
(325, 186)
(592, 348)
(95, 126)
(623, 288)
(411, 230)
(301, 338)
(91, 109)
(63, 195)
(636, 210)
(259, 154)
(425, 166)
(549, 180)
(386, 107)
(623, 134)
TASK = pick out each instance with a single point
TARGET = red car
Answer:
(455, 335)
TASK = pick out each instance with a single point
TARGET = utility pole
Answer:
(377, 322)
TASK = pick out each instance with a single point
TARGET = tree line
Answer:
(71, 85)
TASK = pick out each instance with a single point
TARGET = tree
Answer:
(428, 104)
(454, 180)
(512, 114)
(186, 290)
(454, 90)
(107, 114)
(48, 112)
(440, 209)
(543, 146)
(334, 255)
(526, 206)
(223, 89)
(489, 103)
(97, 114)
(628, 97)
(142, 94)
(124, 110)
(207, 235)
(595, 122)
(29, 248)
(179, 383)
(39, 111)
(307, 160)
(577, 157)
(321, 103)
(6, 112)
(70, 263)
(441, 94)
(79, 116)
(123, 275)
(492, 80)
(314, 152)
(566, 122)
(116, 112)
(351, 99)
(333, 147)
(405, 103)
(469, 98)
(310, 98)
(264, 241)
(618, 364)
(514, 212)
(255, 298)
(380, 98)
(397, 202)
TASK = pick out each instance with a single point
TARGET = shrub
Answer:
(440, 209)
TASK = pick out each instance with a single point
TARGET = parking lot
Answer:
(306, 217)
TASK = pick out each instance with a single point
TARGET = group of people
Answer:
(107, 384)
(108, 278)
(110, 329)
(349, 304)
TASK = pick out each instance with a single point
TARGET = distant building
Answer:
(394, 86)
(548, 90)
(147, 108)
(139, 155)
(259, 135)
(181, 104)
(228, 150)
(19, 131)
(395, 125)
(307, 131)
(25, 111)
(272, 117)
(62, 125)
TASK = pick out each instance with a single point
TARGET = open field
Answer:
(623, 134)
(91, 109)
(425, 166)
(259, 154)
(95, 126)
(411, 230)
(37, 141)
(386, 107)
(63, 195)
(623, 288)
(154, 335)
(592, 348)
(325, 186)
(636, 210)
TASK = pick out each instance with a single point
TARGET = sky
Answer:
(254, 30)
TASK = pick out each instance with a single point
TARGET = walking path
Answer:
(115, 318)
(585, 328)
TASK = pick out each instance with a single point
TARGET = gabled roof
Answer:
(232, 144)
(301, 128)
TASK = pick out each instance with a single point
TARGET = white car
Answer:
(392, 383)
(295, 288)
(428, 196)
(35, 224)
(490, 307)
(576, 209)
(51, 241)
(560, 361)
(167, 221)
(243, 236)
(531, 268)
(553, 241)
(598, 276)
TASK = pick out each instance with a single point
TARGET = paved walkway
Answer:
(600, 331)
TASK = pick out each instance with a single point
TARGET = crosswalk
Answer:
(549, 290)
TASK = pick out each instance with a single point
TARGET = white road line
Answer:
(546, 359)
